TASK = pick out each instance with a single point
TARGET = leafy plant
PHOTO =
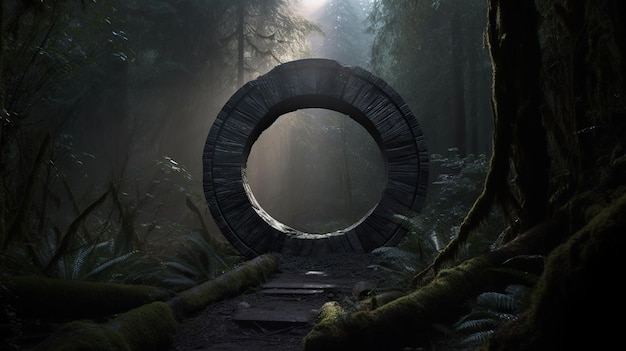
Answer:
(191, 262)
(489, 310)
(399, 264)
(123, 236)
(451, 195)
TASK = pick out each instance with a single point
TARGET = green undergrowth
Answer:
(129, 317)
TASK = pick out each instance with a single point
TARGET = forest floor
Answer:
(221, 325)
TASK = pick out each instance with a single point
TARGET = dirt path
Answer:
(227, 325)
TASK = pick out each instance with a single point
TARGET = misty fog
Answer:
(316, 170)
(106, 108)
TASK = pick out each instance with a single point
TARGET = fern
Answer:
(477, 325)
(476, 338)
(451, 196)
(79, 262)
(107, 265)
(400, 264)
(217, 264)
(396, 256)
(489, 311)
(108, 241)
(497, 301)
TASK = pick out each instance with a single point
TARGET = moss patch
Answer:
(34, 296)
(403, 321)
(149, 327)
(232, 283)
(576, 295)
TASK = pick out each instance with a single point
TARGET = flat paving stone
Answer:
(278, 291)
(298, 285)
(269, 317)
(257, 321)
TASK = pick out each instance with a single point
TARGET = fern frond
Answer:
(479, 314)
(397, 259)
(495, 189)
(184, 268)
(110, 263)
(497, 301)
(71, 232)
(78, 261)
(44, 250)
(476, 338)
(207, 249)
(476, 215)
(475, 325)
(390, 252)
(517, 291)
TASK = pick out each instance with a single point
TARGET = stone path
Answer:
(278, 314)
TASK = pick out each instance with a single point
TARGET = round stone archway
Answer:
(313, 83)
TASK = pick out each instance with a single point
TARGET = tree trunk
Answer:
(241, 37)
(457, 105)
(407, 320)
(150, 326)
(575, 298)
(559, 158)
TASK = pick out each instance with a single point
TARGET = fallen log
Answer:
(47, 298)
(576, 299)
(252, 273)
(407, 320)
(152, 326)
(149, 327)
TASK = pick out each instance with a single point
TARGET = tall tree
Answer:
(425, 50)
(456, 115)
(345, 33)
(186, 58)
(42, 46)
(262, 34)
(564, 199)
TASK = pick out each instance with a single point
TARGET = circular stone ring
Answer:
(301, 84)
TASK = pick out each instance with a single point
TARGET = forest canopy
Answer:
(105, 107)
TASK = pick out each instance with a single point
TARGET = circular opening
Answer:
(315, 171)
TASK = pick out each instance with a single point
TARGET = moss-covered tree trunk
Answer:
(582, 109)
(559, 158)
(149, 325)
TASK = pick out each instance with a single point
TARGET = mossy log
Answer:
(406, 321)
(252, 273)
(578, 296)
(41, 297)
(149, 327)
(152, 326)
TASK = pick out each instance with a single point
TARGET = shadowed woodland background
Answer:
(105, 108)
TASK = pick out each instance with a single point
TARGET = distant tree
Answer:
(42, 45)
(262, 34)
(433, 53)
(69, 71)
(345, 32)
